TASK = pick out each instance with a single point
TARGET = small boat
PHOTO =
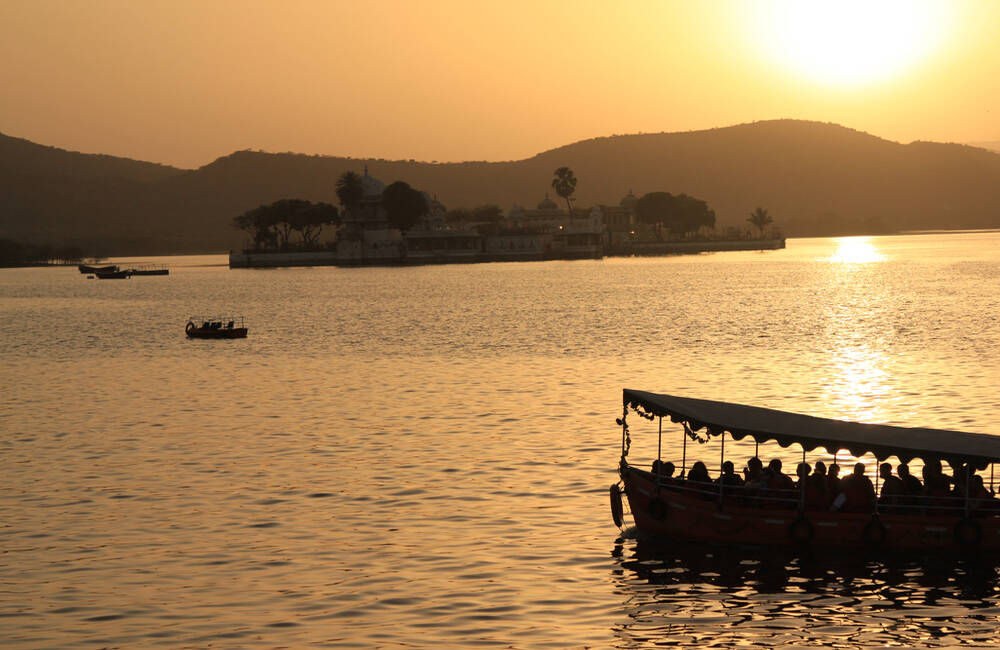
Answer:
(718, 512)
(231, 327)
(113, 275)
(110, 268)
(150, 269)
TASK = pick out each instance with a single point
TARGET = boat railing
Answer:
(783, 498)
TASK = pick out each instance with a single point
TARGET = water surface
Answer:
(420, 456)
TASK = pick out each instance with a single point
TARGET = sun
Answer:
(848, 42)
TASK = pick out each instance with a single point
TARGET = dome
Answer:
(547, 203)
(629, 201)
(373, 187)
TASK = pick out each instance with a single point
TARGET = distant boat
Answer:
(113, 275)
(97, 269)
(231, 327)
(151, 269)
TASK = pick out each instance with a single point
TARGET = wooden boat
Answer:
(231, 327)
(150, 269)
(110, 268)
(710, 513)
(113, 275)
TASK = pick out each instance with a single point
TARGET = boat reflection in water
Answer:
(690, 596)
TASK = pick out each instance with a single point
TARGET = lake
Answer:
(420, 456)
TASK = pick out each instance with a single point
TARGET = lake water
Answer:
(419, 457)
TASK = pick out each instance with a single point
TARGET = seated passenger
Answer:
(858, 491)
(912, 487)
(663, 471)
(833, 480)
(730, 481)
(698, 477)
(817, 490)
(937, 487)
(753, 470)
(780, 490)
(893, 491)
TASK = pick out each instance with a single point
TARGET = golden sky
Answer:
(186, 81)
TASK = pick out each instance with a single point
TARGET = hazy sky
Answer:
(186, 81)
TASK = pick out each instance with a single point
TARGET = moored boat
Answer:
(150, 269)
(110, 268)
(116, 274)
(230, 327)
(723, 513)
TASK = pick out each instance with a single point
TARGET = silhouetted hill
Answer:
(814, 178)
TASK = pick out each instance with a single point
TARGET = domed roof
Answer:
(547, 203)
(629, 201)
(373, 187)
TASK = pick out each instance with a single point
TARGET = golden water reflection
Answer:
(856, 250)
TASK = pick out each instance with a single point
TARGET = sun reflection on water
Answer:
(856, 250)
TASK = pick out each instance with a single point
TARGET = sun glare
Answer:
(855, 250)
(849, 42)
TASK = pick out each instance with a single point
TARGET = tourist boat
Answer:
(150, 269)
(110, 268)
(679, 510)
(231, 327)
(123, 274)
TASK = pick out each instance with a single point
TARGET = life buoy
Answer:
(658, 508)
(190, 326)
(874, 533)
(801, 530)
(968, 533)
(616, 504)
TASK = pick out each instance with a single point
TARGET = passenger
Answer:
(893, 490)
(937, 487)
(858, 491)
(730, 481)
(699, 478)
(912, 487)
(754, 484)
(817, 491)
(663, 471)
(833, 480)
(981, 500)
(753, 470)
(780, 487)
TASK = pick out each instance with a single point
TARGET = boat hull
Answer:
(703, 517)
(113, 275)
(84, 268)
(201, 333)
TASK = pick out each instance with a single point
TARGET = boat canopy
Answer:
(764, 424)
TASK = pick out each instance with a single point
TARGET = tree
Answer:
(680, 214)
(488, 212)
(350, 191)
(565, 184)
(403, 205)
(760, 219)
(310, 218)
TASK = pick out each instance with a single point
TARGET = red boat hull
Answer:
(687, 516)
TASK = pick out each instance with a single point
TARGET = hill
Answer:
(817, 179)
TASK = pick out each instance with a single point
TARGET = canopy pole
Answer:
(722, 461)
(659, 441)
(877, 473)
(756, 446)
(991, 479)
(968, 474)
(802, 485)
(684, 452)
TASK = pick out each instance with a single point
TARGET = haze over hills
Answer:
(815, 178)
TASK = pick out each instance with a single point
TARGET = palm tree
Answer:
(761, 219)
(565, 184)
(350, 190)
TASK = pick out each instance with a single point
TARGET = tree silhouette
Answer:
(350, 190)
(403, 205)
(761, 219)
(681, 214)
(565, 184)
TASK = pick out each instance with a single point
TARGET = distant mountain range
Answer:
(815, 178)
